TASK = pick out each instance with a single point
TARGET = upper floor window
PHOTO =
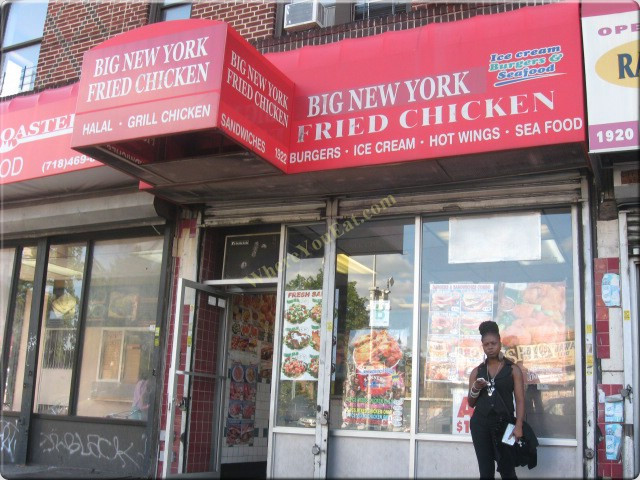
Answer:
(305, 14)
(377, 8)
(21, 45)
(170, 10)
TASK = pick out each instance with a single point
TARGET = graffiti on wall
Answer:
(95, 446)
(8, 439)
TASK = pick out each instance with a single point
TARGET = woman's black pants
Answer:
(488, 450)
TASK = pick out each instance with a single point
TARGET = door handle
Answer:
(315, 450)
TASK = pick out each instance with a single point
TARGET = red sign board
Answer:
(35, 136)
(494, 82)
(169, 78)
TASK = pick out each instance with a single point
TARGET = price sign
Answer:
(461, 414)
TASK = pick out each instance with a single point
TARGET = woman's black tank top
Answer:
(486, 404)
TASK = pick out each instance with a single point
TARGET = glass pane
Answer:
(19, 70)
(180, 12)
(7, 256)
(374, 285)
(59, 330)
(531, 300)
(19, 332)
(120, 325)
(299, 360)
(18, 28)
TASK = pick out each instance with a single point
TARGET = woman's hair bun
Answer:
(489, 327)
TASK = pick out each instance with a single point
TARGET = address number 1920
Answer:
(617, 135)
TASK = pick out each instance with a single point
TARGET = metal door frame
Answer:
(219, 376)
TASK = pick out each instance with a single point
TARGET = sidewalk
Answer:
(46, 472)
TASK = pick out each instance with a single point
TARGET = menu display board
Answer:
(251, 336)
(251, 356)
(253, 256)
(454, 347)
(301, 335)
(532, 321)
(242, 404)
(375, 383)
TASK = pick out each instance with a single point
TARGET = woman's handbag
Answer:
(525, 450)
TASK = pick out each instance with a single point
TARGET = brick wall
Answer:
(71, 28)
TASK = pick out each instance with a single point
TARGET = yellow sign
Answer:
(589, 360)
(588, 329)
(626, 315)
(611, 68)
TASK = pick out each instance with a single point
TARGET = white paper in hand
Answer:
(507, 438)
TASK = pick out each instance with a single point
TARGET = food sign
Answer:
(242, 404)
(453, 342)
(533, 327)
(301, 335)
(462, 412)
(375, 383)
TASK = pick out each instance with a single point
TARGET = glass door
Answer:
(196, 381)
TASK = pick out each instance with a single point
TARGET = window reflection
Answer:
(531, 300)
(6, 270)
(18, 334)
(371, 389)
(59, 331)
(120, 323)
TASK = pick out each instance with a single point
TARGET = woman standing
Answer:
(492, 386)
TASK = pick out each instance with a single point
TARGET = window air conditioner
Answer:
(303, 15)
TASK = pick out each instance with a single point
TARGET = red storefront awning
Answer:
(491, 83)
(190, 108)
(36, 136)
(170, 102)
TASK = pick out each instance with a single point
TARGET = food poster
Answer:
(251, 335)
(242, 404)
(534, 332)
(250, 356)
(374, 390)
(301, 335)
(454, 347)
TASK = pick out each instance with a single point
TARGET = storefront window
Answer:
(374, 287)
(119, 329)
(59, 328)
(516, 269)
(18, 333)
(7, 256)
(299, 360)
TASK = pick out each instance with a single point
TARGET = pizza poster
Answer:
(456, 310)
(534, 330)
(301, 335)
(374, 390)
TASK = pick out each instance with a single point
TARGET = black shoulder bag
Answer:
(525, 450)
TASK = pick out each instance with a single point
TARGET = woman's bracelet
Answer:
(474, 395)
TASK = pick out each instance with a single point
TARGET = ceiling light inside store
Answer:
(64, 272)
(346, 264)
(550, 251)
(152, 255)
